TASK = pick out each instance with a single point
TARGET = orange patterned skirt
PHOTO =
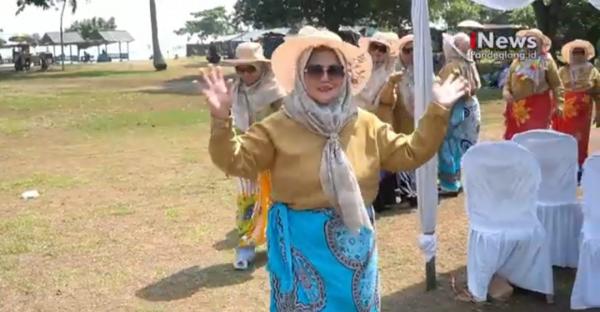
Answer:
(532, 112)
(576, 120)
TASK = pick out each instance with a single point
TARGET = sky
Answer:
(130, 15)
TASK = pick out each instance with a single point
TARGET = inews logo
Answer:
(491, 45)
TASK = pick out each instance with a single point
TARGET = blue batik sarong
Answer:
(316, 264)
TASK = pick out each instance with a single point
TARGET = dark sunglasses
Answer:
(407, 50)
(245, 69)
(374, 46)
(317, 71)
(579, 52)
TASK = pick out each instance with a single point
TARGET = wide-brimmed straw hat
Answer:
(388, 39)
(449, 44)
(248, 53)
(284, 60)
(534, 32)
(405, 40)
(568, 48)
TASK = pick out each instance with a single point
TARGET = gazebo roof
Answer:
(114, 36)
(53, 38)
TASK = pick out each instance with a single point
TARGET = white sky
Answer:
(130, 15)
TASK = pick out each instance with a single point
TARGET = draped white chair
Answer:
(558, 207)
(586, 290)
(506, 238)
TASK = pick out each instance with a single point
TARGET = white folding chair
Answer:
(586, 290)
(558, 207)
(506, 238)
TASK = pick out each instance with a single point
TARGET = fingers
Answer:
(219, 73)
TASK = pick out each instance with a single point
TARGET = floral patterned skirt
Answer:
(576, 120)
(316, 264)
(532, 112)
(253, 202)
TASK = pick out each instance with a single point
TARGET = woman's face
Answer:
(578, 56)
(324, 76)
(249, 73)
(378, 52)
(406, 54)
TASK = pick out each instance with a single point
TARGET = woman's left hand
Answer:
(452, 89)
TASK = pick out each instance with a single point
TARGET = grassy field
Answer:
(134, 217)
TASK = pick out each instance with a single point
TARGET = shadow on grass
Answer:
(442, 299)
(229, 242)
(187, 282)
(5, 76)
(187, 85)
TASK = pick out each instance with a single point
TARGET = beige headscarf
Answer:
(464, 61)
(249, 101)
(368, 98)
(336, 173)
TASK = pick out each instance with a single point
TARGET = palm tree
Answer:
(159, 61)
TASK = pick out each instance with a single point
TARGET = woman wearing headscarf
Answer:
(324, 156)
(582, 84)
(378, 96)
(463, 131)
(403, 114)
(533, 91)
(255, 95)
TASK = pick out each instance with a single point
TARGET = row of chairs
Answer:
(524, 215)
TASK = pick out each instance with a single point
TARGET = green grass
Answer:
(154, 119)
(489, 95)
(73, 74)
(13, 126)
(23, 234)
(173, 214)
(39, 181)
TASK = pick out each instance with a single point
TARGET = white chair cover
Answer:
(501, 180)
(558, 207)
(586, 290)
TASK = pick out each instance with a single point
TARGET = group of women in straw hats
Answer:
(312, 133)
(539, 95)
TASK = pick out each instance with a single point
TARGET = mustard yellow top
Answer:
(293, 154)
(522, 88)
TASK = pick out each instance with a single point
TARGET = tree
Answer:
(563, 20)
(279, 13)
(454, 12)
(157, 57)
(44, 4)
(87, 28)
(211, 22)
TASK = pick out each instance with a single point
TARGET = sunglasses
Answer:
(407, 50)
(579, 52)
(378, 47)
(317, 71)
(245, 69)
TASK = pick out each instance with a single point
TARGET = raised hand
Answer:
(447, 93)
(217, 92)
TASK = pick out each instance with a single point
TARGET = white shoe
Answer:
(244, 256)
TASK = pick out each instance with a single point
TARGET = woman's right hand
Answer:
(216, 91)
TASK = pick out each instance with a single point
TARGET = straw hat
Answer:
(388, 39)
(568, 48)
(448, 45)
(285, 58)
(247, 53)
(405, 40)
(534, 32)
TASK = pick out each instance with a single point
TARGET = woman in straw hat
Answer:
(582, 83)
(378, 96)
(403, 113)
(324, 155)
(255, 95)
(463, 131)
(533, 90)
